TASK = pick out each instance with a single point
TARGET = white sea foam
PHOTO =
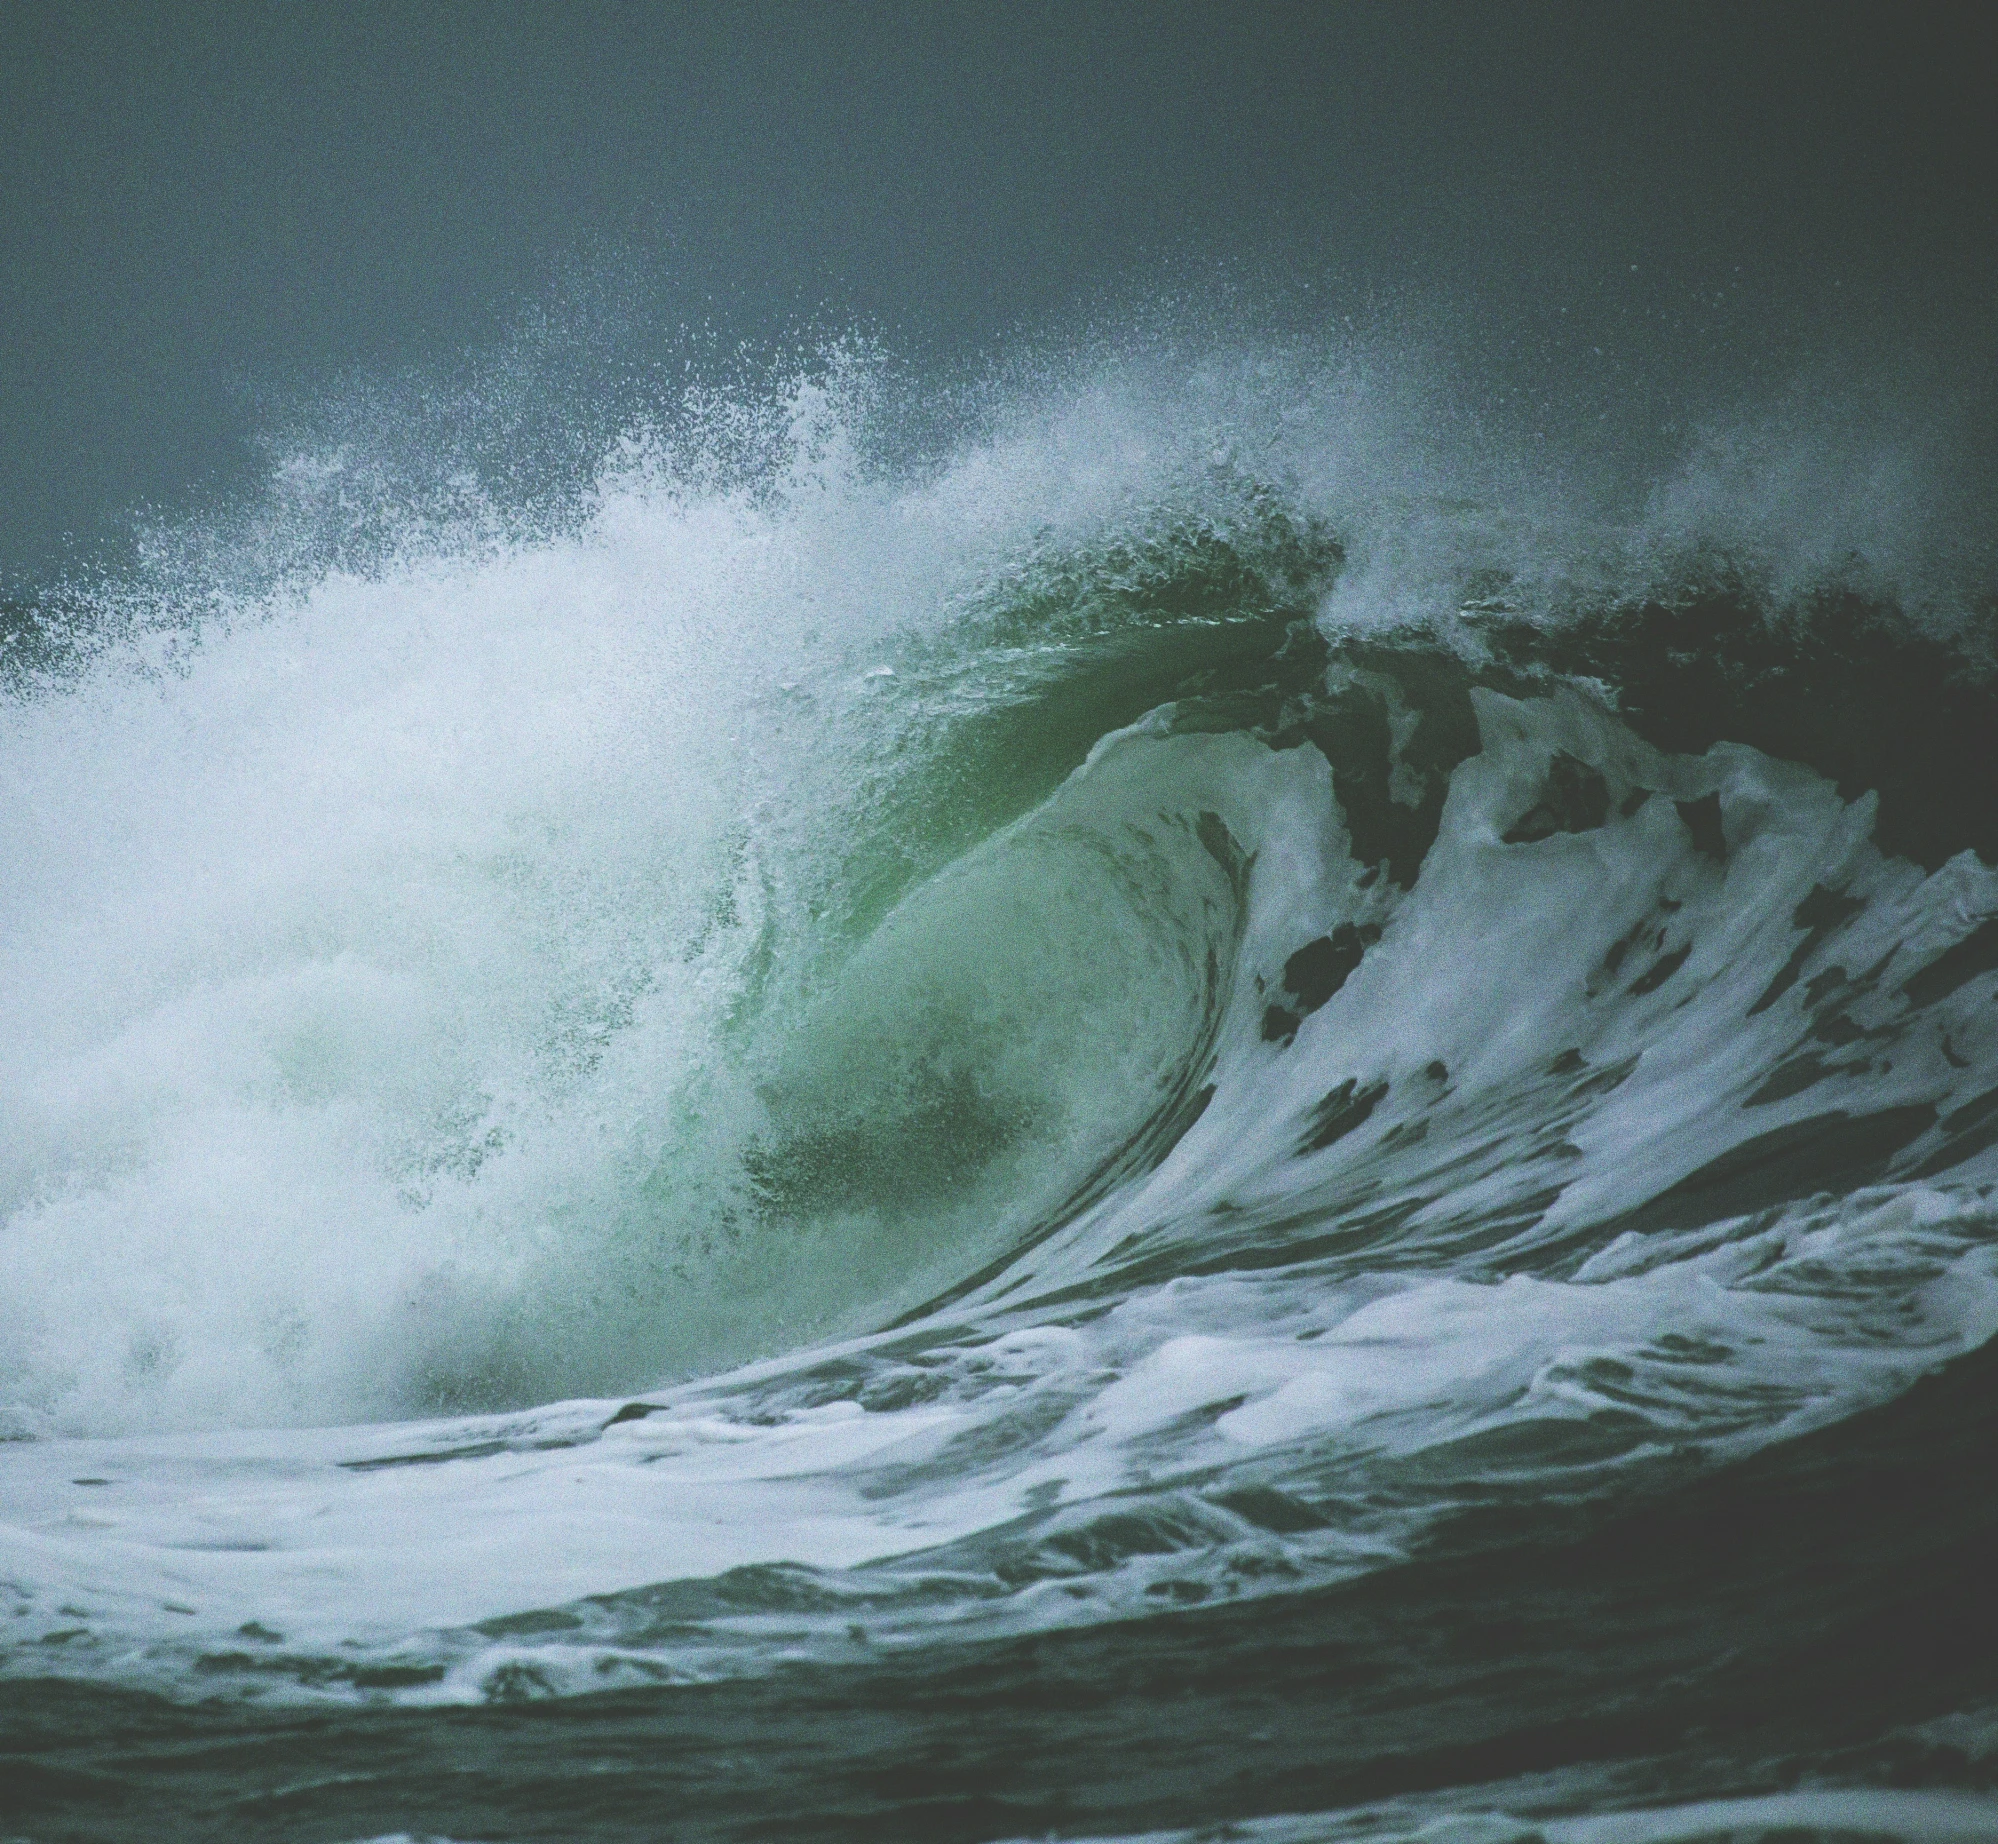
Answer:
(980, 1445)
(1831, 1812)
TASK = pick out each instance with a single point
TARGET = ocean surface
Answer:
(1176, 1101)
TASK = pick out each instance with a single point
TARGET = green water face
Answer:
(1005, 1023)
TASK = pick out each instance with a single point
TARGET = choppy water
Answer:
(1189, 1115)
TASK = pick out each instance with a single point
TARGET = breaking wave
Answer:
(1186, 998)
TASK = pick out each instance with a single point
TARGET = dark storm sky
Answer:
(202, 206)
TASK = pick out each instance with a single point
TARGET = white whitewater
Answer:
(407, 980)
